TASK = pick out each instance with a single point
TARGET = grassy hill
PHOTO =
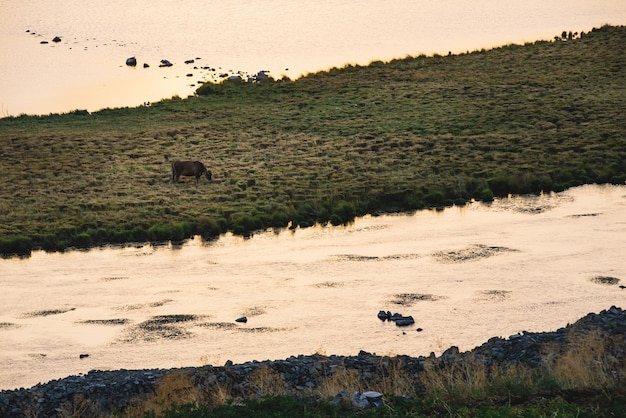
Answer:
(397, 136)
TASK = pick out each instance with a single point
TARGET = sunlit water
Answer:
(465, 275)
(87, 70)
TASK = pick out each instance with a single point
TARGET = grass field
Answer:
(397, 136)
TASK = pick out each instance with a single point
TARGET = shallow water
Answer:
(465, 275)
(87, 70)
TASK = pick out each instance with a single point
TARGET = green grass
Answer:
(283, 406)
(396, 136)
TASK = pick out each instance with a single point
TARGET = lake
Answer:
(87, 70)
(465, 274)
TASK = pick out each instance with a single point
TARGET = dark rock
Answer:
(242, 319)
(146, 65)
(405, 321)
(56, 39)
(81, 356)
(383, 316)
(190, 61)
(43, 42)
(131, 62)
(165, 63)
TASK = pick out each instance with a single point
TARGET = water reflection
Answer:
(465, 275)
(87, 70)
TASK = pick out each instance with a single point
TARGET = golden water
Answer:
(480, 271)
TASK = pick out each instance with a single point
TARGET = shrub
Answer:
(344, 211)
(435, 198)
(485, 195)
(19, 245)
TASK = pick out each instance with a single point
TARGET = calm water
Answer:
(87, 70)
(464, 274)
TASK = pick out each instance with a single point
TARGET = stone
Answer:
(405, 321)
(374, 398)
(360, 401)
(131, 62)
(243, 319)
(56, 39)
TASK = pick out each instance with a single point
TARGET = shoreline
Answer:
(108, 391)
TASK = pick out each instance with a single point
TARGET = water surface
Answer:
(87, 70)
(465, 275)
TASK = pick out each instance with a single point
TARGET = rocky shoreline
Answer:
(110, 391)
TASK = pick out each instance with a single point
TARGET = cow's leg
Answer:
(174, 175)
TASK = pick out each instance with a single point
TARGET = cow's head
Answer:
(208, 174)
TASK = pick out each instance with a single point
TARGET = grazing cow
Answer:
(189, 168)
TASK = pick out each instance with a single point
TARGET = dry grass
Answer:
(174, 387)
(465, 378)
(265, 381)
(341, 380)
(588, 363)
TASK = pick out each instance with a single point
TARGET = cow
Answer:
(189, 168)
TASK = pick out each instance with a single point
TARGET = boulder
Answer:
(131, 62)
(405, 321)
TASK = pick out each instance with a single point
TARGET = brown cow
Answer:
(189, 168)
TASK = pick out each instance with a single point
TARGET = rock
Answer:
(165, 63)
(405, 321)
(234, 78)
(360, 401)
(190, 61)
(56, 39)
(43, 42)
(262, 75)
(146, 65)
(395, 317)
(131, 62)
(374, 398)
(82, 356)
(383, 316)
(242, 319)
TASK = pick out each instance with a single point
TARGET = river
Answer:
(465, 274)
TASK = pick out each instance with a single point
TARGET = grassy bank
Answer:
(398, 136)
